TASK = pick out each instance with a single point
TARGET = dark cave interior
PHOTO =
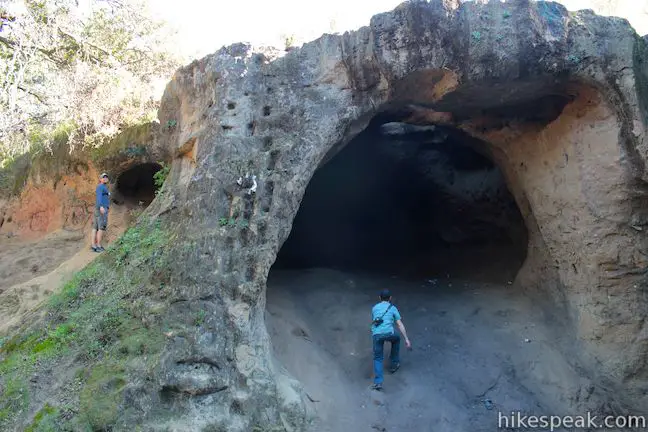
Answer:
(136, 185)
(413, 200)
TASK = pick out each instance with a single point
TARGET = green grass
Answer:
(14, 397)
(95, 319)
(46, 420)
(102, 394)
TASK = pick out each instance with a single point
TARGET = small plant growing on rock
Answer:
(160, 177)
(200, 318)
(506, 14)
(476, 35)
(171, 124)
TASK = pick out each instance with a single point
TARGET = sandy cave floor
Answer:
(30, 271)
(477, 349)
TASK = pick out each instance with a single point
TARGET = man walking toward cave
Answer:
(384, 316)
(100, 219)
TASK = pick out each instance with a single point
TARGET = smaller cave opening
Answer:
(136, 185)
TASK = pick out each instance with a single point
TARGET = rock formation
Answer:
(556, 99)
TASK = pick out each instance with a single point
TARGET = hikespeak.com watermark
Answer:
(518, 420)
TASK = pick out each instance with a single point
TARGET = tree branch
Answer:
(29, 92)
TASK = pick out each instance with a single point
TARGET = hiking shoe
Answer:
(99, 249)
(93, 248)
(394, 367)
(377, 387)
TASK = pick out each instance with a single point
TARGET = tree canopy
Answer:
(88, 68)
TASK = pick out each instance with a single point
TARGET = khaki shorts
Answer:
(100, 221)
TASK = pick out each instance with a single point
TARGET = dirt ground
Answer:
(32, 270)
(478, 349)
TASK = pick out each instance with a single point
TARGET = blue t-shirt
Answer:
(389, 319)
(103, 196)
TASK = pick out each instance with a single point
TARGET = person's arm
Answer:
(401, 328)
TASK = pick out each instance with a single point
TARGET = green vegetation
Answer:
(14, 397)
(200, 318)
(102, 394)
(506, 14)
(160, 176)
(139, 245)
(476, 35)
(95, 319)
(77, 76)
(45, 420)
(242, 223)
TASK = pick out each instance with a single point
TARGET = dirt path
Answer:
(478, 349)
(32, 270)
(21, 298)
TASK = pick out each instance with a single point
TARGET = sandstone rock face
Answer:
(558, 101)
(57, 190)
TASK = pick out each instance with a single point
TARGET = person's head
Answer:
(385, 295)
(103, 178)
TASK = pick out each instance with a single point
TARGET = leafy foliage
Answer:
(160, 176)
(98, 69)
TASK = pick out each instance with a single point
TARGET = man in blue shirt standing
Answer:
(100, 219)
(384, 315)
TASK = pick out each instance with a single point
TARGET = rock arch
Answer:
(577, 171)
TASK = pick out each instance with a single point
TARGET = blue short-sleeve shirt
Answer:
(389, 319)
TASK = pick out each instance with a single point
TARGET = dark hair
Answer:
(385, 294)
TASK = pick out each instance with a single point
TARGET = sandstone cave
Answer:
(414, 201)
(136, 186)
(424, 209)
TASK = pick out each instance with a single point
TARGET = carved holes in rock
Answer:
(272, 160)
(236, 408)
(269, 190)
(248, 209)
(267, 143)
(250, 273)
(231, 105)
(266, 111)
(263, 228)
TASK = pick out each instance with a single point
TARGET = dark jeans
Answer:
(378, 347)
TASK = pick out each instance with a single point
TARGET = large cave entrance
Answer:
(425, 212)
(413, 201)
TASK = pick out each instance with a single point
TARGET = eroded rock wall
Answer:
(579, 177)
(55, 189)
